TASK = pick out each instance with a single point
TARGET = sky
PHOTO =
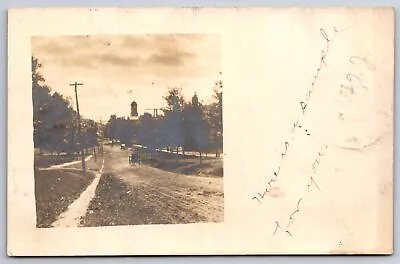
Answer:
(115, 70)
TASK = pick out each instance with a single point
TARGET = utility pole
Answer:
(75, 84)
(155, 111)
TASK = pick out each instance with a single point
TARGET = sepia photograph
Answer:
(127, 130)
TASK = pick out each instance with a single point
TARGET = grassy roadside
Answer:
(55, 190)
(93, 164)
(45, 161)
(209, 167)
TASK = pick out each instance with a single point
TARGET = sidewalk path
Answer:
(71, 217)
(58, 166)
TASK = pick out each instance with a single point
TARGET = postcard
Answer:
(200, 131)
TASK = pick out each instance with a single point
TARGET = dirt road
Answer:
(128, 195)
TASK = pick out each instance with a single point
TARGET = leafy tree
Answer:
(214, 118)
(89, 132)
(54, 120)
(174, 99)
(126, 131)
(195, 126)
(173, 117)
(146, 131)
(111, 128)
(119, 128)
(51, 112)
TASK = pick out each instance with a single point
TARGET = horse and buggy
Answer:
(134, 158)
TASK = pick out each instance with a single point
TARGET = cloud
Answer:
(79, 61)
(164, 50)
(118, 59)
(129, 65)
(83, 52)
(134, 41)
(119, 51)
(49, 46)
(170, 58)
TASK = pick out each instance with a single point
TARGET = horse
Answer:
(134, 158)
